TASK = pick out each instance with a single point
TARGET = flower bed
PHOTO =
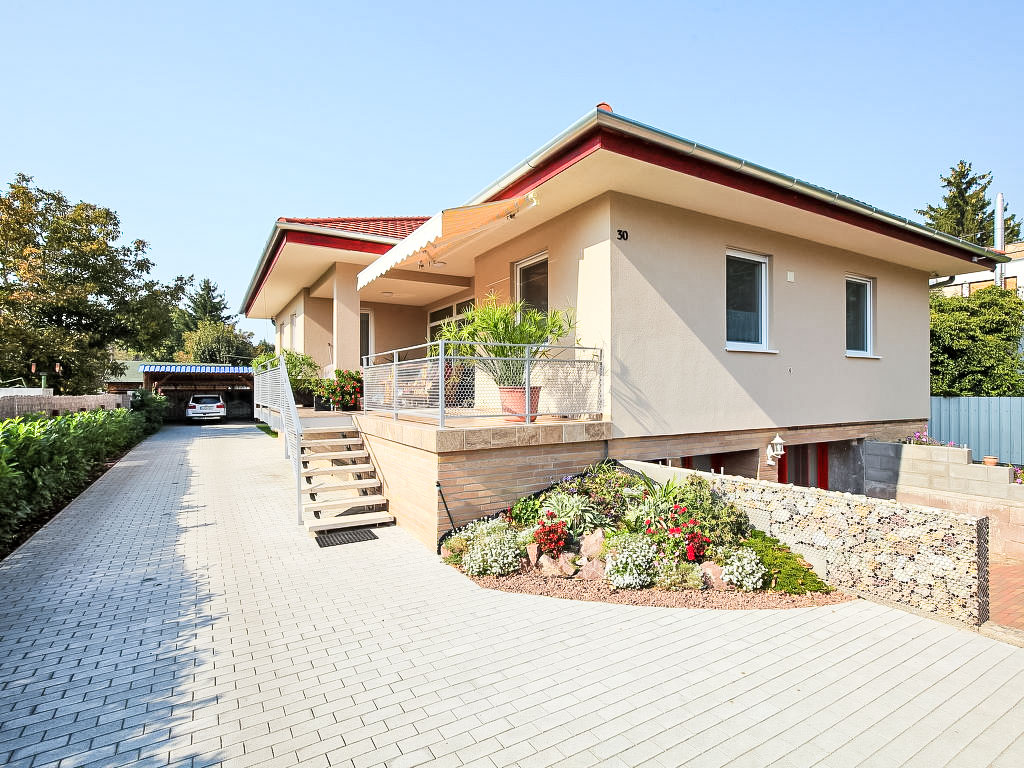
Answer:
(608, 534)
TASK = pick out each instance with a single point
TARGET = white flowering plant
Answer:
(632, 565)
(744, 569)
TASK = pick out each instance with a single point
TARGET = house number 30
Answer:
(622, 234)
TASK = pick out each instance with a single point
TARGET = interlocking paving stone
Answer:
(174, 614)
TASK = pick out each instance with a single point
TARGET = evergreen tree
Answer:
(966, 210)
(975, 344)
(205, 303)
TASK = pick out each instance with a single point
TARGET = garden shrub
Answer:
(675, 575)
(578, 514)
(524, 513)
(724, 523)
(46, 461)
(632, 564)
(787, 571)
(744, 569)
(551, 534)
(487, 547)
(608, 489)
(152, 408)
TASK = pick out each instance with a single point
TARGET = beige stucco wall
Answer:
(317, 329)
(289, 335)
(393, 326)
(670, 370)
(578, 246)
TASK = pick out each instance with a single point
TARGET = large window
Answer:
(746, 301)
(438, 317)
(858, 316)
(532, 282)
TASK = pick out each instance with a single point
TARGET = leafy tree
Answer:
(205, 303)
(70, 290)
(975, 344)
(966, 210)
(213, 342)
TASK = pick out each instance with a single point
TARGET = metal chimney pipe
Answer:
(1000, 238)
(1000, 225)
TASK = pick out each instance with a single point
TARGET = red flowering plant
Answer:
(343, 390)
(551, 534)
(678, 538)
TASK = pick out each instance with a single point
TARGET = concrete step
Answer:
(338, 469)
(330, 455)
(348, 521)
(342, 485)
(328, 430)
(331, 441)
(340, 505)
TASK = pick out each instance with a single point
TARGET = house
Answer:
(718, 304)
(1011, 274)
(127, 382)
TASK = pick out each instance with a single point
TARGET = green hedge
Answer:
(44, 461)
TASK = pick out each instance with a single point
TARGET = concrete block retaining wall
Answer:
(931, 560)
(944, 477)
(53, 405)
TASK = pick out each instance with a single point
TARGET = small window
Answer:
(532, 282)
(858, 316)
(437, 318)
(364, 335)
(746, 300)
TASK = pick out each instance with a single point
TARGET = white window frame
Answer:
(370, 346)
(869, 330)
(743, 346)
(520, 265)
(455, 315)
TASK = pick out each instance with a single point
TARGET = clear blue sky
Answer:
(200, 123)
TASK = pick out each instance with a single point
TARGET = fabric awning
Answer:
(443, 231)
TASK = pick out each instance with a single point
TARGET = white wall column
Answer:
(345, 344)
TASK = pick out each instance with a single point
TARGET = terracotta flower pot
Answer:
(513, 401)
(990, 461)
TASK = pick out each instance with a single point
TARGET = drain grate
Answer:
(344, 536)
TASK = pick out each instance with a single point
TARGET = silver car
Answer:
(205, 408)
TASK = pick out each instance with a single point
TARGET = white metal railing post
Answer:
(442, 377)
(526, 382)
(394, 385)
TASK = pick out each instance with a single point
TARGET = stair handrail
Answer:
(273, 392)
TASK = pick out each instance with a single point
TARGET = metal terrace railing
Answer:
(274, 405)
(446, 381)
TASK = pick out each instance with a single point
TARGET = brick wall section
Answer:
(931, 560)
(944, 477)
(485, 469)
(20, 405)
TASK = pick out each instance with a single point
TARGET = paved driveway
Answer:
(176, 615)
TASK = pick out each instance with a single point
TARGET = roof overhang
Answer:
(427, 247)
(602, 130)
(296, 255)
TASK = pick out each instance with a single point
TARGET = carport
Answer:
(179, 381)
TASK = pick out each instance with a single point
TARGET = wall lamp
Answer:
(774, 450)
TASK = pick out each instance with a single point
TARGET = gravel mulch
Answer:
(601, 591)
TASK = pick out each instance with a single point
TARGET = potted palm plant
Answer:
(498, 337)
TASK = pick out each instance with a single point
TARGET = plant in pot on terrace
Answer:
(342, 392)
(499, 336)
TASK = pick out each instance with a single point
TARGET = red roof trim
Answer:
(645, 151)
(284, 237)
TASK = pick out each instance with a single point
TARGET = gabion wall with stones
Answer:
(931, 560)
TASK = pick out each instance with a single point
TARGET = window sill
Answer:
(864, 355)
(740, 348)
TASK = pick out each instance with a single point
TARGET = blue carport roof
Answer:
(192, 368)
